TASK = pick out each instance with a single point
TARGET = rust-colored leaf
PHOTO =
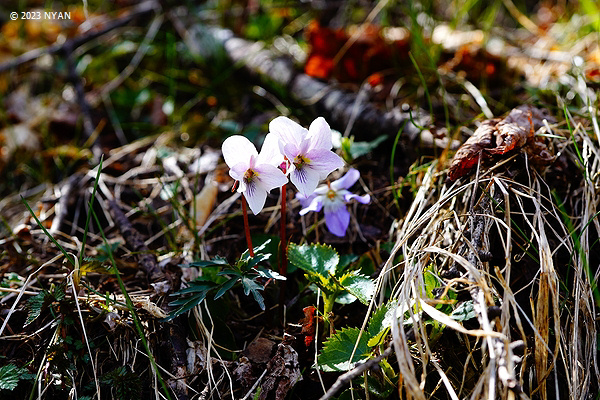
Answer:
(348, 57)
(309, 324)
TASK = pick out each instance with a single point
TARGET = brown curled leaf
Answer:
(500, 136)
(467, 155)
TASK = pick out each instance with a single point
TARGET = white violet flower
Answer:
(257, 173)
(307, 150)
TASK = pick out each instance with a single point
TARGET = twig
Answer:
(344, 379)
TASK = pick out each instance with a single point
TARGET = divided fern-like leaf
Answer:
(10, 375)
(35, 305)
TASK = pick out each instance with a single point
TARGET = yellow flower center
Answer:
(249, 175)
(300, 161)
(331, 194)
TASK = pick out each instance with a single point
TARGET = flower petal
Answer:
(324, 161)
(255, 196)
(238, 149)
(269, 177)
(290, 150)
(337, 221)
(238, 170)
(306, 200)
(346, 181)
(270, 153)
(320, 134)
(287, 130)
(315, 205)
(365, 199)
(305, 179)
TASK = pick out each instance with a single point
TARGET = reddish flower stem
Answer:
(247, 227)
(282, 238)
(283, 253)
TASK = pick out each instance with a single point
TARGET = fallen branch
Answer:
(342, 108)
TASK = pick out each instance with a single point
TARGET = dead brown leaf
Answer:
(500, 136)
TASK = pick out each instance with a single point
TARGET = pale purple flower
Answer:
(332, 198)
(257, 173)
(307, 150)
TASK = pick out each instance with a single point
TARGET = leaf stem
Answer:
(247, 227)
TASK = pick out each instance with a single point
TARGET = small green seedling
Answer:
(244, 271)
(325, 269)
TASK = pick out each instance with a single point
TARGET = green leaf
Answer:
(345, 298)
(250, 286)
(225, 287)
(10, 375)
(217, 261)
(380, 322)
(345, 260)
(357, 149)
(431, 281)
(36, 305)
(360, 286)
(317, 259)
(270, 274)
(337, 350)
(258, 258)
(464, 311)
(258, 249)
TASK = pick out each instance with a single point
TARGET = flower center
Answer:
(300, 161)
(331, 194)
(249, 175)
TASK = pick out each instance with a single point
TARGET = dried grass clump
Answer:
(521, 245)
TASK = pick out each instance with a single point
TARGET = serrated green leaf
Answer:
(10, 375)
(316, 259)
(380, 322)
(360, 286)
(464, 311)
(337, 350)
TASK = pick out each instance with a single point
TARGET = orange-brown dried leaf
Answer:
(331, 55)
(309, 324)
(500, 136)
(468, 154)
